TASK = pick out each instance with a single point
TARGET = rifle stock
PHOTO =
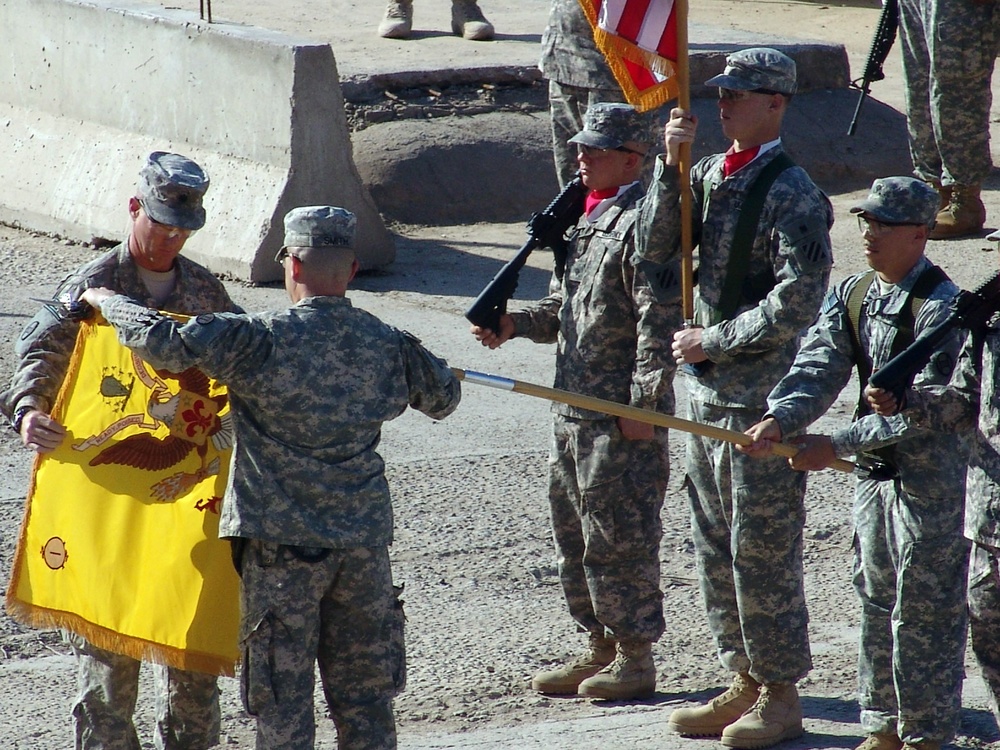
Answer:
(546, 228)
(970, 310)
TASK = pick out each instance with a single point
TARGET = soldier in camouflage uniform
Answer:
(910, 556)
(949, 48)
(970, 404)
(607, 476)
(747, 516)
(578, 76)
(166, 209)
(308, 504)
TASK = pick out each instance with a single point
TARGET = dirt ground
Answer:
(472, 542)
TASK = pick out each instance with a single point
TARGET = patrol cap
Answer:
(319, 226)
(611, 125)
(757, 68)
(901, 200)
(171, 189)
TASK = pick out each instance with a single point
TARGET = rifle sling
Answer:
(740, 251)
(924, 286)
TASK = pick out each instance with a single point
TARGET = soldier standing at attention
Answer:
(307, 506)
(910, 555)
(166, 209)
(762, 229)
(607, 476)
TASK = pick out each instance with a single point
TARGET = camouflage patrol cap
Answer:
(757, 68)
(171, 189)
(900, 200)
(611, 125)
(319, 226)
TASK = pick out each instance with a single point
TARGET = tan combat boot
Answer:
(566, 679)
(880, 741)
(468, 21)
(398, 20)
(710, 719)
(944, 194)
(775, 717)
(964, 215)
(630, 676)
(922, 746)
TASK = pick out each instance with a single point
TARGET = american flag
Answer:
(639, 40)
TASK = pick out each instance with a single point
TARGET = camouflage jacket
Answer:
(791, 256)
(931, 464)
(613, 335)
(969, 404)
(310, 387)
(47, 341)
(569, 55)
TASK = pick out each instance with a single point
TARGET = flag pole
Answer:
(615, 409)
(684, 167)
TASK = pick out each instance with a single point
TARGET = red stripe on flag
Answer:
(640, 76)
(668, 41)
(631, 20)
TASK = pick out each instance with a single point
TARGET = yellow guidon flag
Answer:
(119, 541)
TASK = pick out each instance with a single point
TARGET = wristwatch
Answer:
(19, 414)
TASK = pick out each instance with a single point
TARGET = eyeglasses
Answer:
(283, 253)
(594, 151)
(739, 95)
(877, 228)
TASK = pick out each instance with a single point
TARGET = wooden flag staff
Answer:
(629, 412)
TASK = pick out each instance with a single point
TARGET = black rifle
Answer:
(885, 35)
(970, 310)
(547, 228)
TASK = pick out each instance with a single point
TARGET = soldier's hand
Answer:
(94, 296)
(633, 429)
(764, 435)
(495, 339)
(40, 432)
(884, 403)
(815, 453)
(686, 347)
(680, 128)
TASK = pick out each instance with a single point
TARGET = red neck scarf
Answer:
(736, 160)
(594, 197)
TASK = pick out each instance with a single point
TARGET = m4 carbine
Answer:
(547, 228)
(885, 35)
(970, 310)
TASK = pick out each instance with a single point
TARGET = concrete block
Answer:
(87, 89)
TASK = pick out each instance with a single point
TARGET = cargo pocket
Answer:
(256, 688)
(397, 641)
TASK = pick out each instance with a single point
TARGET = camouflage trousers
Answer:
(338, 608)
(949, 48)
(605, 496)
(186, 703)
(984, 617)
(747, 518)
(911, 563)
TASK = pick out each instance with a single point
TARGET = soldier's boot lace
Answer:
(880, 741)
(630, 676)
(710, 719)
(565, 680)
(398, 20)
(964, 215)
(774, 718)
(468, 21)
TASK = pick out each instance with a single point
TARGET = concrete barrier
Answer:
(87, 89)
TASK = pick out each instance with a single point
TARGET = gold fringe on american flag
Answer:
(119, 541)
